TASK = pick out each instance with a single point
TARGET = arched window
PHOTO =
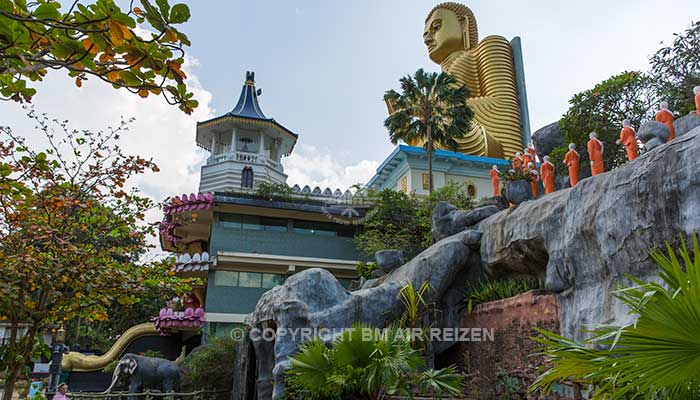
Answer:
(247, 178)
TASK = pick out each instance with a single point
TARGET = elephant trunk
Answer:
(115, 378)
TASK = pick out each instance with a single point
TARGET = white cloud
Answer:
(309, 166)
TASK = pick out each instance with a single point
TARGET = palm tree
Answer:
(656, 356)
(431, 108)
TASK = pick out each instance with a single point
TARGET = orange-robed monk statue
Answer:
(518, 162)
(628, 138)
(696, 90)
(527, 157)
(665, 116)
(534, 181)
(547, 174)
(595, 154)
(572, 160)
(495, 180)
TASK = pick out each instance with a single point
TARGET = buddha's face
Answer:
(443, 34)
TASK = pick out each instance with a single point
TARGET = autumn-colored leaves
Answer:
(98, 40)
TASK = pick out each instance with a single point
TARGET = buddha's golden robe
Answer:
(488, 71)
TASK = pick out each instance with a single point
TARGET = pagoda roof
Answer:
(248, 110)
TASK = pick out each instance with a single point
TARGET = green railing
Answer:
(149, 395)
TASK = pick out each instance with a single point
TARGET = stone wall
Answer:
(504, 367)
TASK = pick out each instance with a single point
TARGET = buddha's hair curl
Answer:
(461, 11)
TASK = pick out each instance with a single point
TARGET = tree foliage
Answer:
(365, 364)
(656, 356)
(404, 221)
(676, 69)
(211, 367)
(629, 95)
(70, 234)
(431, 108)
(138, 49)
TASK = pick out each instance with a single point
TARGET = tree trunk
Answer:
(20, 349)
(11, 372)
(430, 159)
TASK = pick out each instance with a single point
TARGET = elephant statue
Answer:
(146, 373)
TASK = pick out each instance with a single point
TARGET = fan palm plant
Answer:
(431, 108)
(657, 356)
(365, 363)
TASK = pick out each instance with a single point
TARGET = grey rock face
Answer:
(653, 134)
(314, 299)
(686, 124)
(518, 191)
(448, 219)
(388, 260)
(585, 239)
(547, 139)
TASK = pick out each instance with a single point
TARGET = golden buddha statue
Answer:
(486, 69)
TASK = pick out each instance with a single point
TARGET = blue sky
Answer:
(324, 66)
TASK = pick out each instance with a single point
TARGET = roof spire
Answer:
(247, 105)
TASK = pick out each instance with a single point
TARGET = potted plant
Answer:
(518, 188)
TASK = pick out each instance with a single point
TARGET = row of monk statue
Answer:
(526, 162)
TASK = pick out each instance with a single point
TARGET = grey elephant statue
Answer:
(146, 373)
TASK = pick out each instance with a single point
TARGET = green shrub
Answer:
(404, 221)
(363, 363)
(364, 269)
(485, 291)
(273, 191)
(211, 367)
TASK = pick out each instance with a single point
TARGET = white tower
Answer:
(246, 147)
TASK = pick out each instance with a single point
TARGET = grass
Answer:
(492, 290)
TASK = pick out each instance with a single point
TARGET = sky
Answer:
(324, 66)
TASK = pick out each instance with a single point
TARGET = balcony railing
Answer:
(251, 158)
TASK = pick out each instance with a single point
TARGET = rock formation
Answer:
(686, 124)
(547, 139)
(583, 240)
(653, 134)
(314, 299)
(586, 238)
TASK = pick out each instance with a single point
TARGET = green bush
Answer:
(404, 221)
(485, 291)
(364, 269)
(211, 367)
(273, 191)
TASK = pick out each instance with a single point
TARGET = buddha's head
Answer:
(449, 27)
(696, 90)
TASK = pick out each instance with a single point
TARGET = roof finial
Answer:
(250, 76)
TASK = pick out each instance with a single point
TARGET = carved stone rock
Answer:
(315, 299)
(547, 139)
(653, 134)
(388, 260)
(585, 239)
(687, 123)
(448, 219)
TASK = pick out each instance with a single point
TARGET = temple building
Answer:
(245, 146)
(406, 170)
(243, 244)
